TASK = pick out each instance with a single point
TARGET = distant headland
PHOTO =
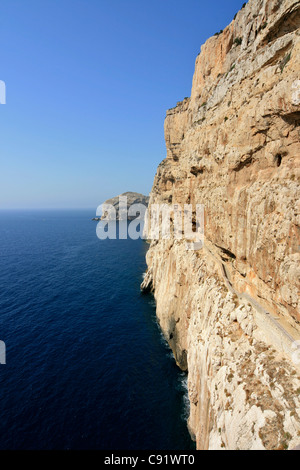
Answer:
(132, 198)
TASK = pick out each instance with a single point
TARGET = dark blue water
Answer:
(87, 367)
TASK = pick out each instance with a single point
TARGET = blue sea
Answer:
(86, 364)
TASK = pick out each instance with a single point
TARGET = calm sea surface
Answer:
(87, 367)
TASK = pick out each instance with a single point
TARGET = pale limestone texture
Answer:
(230, 311)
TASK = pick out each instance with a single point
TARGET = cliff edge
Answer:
(230, 311)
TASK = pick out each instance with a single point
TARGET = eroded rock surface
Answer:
(230, 311)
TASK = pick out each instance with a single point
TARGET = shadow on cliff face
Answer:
(173, 340)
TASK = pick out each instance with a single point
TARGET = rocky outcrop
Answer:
(132, 198)
(230, 311)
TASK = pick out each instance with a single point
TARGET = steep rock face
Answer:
(231, 310)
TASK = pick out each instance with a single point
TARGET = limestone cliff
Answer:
(230, 311)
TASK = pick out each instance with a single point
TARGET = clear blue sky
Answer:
(88, 85)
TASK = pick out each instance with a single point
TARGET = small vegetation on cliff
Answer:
(263, 26)
(230, 70)
(240, 10)
(238, 41)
